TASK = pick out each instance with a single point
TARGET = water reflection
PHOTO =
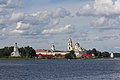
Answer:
(59, 69)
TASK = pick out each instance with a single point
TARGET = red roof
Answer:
(45, 55)
(86, 55)
(39, 50)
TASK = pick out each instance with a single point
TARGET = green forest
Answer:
(27, 52)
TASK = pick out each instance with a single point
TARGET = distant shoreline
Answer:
(15, 58)
(19, 58)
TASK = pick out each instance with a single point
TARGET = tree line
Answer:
(97, 54)
(27, 52)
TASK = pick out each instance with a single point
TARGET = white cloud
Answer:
(42, 18)
(17, 16)
(10, 3)
(117, 47)
(8, 7)
(107, 12)
(3, 22)
(18, 31)
(34, 23)
(101, 8)
(61, 13)
(46, 17)
(55, 21)
(107, 37)
(26, 29)
(3, 34)
(66, 29)
(85, 10)
(103, 21)
(43, 24)
(3, 2)
(23, 26)
(30, 31)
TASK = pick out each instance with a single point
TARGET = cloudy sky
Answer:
(38, 23)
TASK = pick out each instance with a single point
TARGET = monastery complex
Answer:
(79, 51)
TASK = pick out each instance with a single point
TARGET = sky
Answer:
(38, 23)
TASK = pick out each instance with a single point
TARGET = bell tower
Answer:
(77, 46)
(70, 47)
(53, 47)
(15, 53)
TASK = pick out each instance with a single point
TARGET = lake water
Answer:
(59, 70)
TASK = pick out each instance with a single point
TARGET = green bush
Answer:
(70, 55)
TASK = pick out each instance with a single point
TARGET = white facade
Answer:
(15, 53)
(70, 47)
(53, 52)
(61, 52)
(47, 53)
(77, 47)
(111, 55)
(53, 47)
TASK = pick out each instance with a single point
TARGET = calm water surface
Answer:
(59, 70)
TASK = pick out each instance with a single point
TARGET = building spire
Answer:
(15, 53)
(53, 47)
(70, 47)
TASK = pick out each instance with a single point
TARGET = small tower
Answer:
(15, 53)
(112, 55)
(70, 47)
(53, 47)
(77, 47)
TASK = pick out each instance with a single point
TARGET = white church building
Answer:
(77, 49)
(16, 52)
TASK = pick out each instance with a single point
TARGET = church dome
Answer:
(70, 40)
(53, 47)
(77, 45)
